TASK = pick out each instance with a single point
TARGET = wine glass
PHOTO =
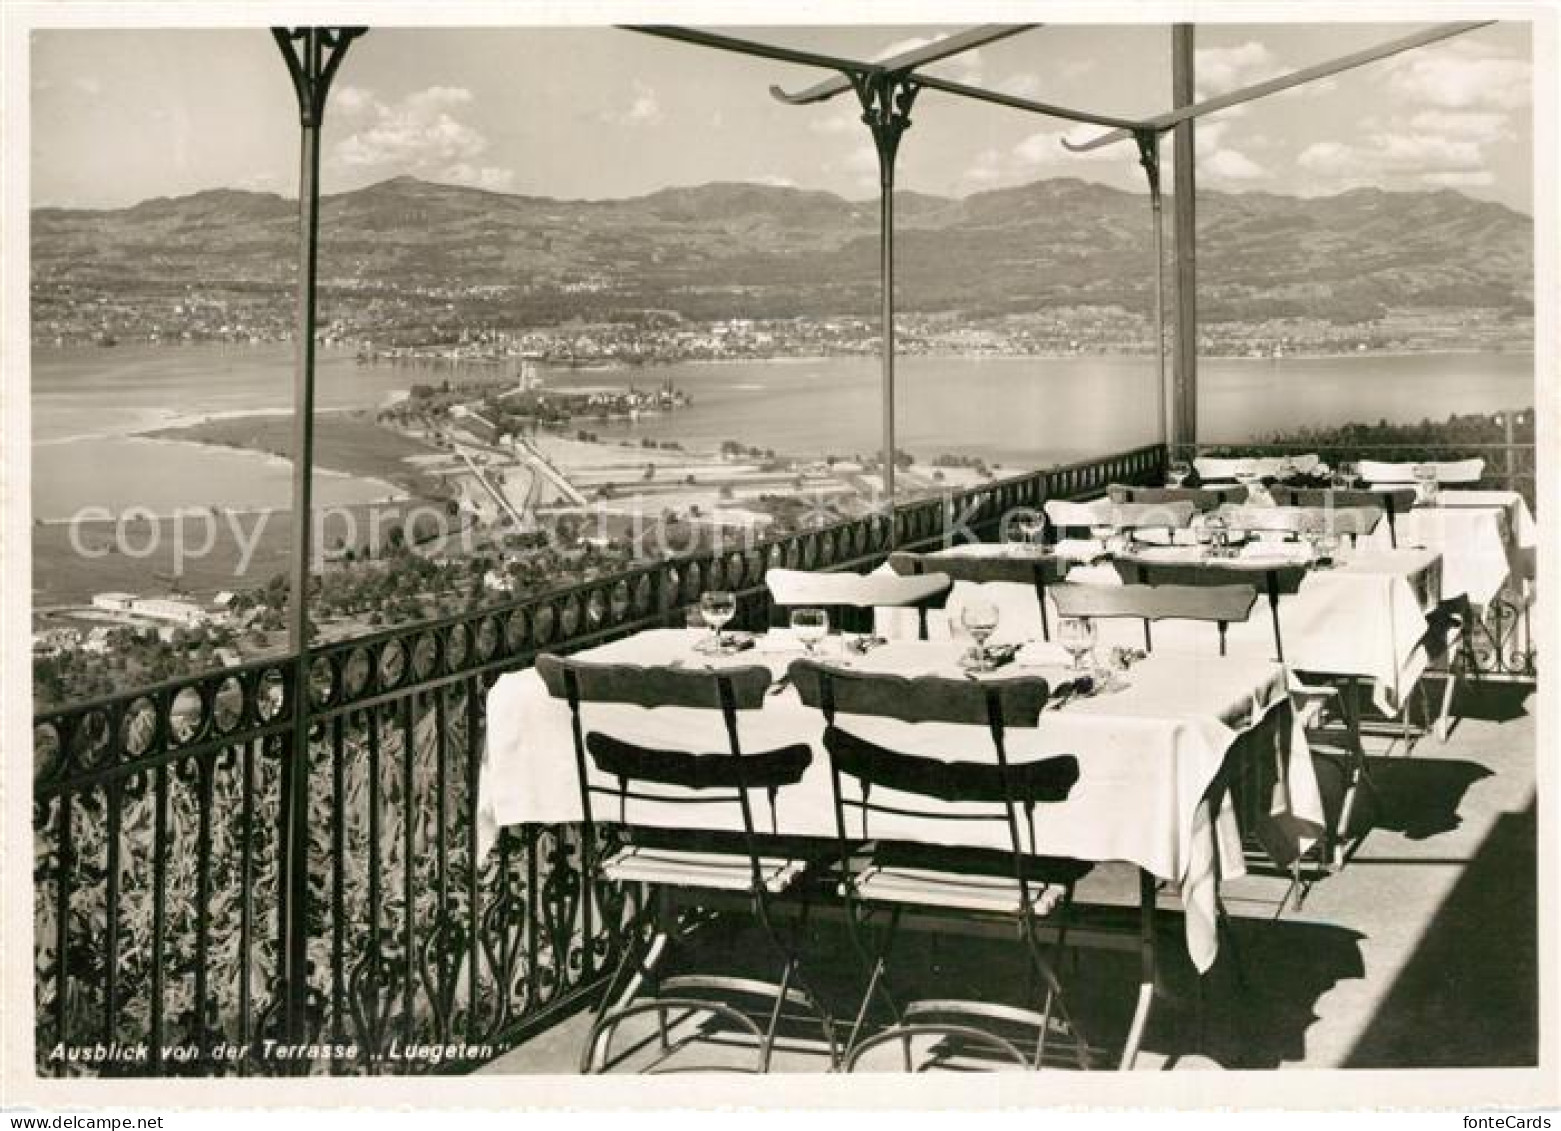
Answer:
(1218, 535)
(979, 618)
(1016, 539)
(1103, 532)
(716, 608)
(811, 626)
(1177, 471)
(1030, 524)
(1425, 482)
(1327, 545)
(1310, 529)
(1077, 635)
(1349, 473)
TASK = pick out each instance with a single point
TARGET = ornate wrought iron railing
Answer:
(165, 857)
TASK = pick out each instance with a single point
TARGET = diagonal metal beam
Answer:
(1283, 82)
(908, 60)
(1011, 100)
(753, 47)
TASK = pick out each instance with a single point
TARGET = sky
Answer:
(120, 116)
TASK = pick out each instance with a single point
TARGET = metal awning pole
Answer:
(1184, 421)
(886, 110)
(313, 56)
(1149, 158)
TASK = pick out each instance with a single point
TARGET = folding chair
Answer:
(983, 892)
(670, 869)
(850, 598)
(1039, 572)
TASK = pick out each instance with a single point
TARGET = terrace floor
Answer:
(1420, 953)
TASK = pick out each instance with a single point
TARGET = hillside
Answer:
(723, 250)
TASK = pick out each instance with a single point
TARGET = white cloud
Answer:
(1044, 148)
(844, 118)
(964, 67)
(1463, 75)
(1474, 177)
(1327, 157)
(1220, 70)
(644, 108)
(1230, 165)
(1390, 159)
(1478, 125)
(420, 134)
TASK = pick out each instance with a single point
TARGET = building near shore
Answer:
(163, 609)
(114, 602)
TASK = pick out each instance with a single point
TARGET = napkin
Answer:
(1081, 549)
(779, 641)
(1043, 654)
(1286, 553)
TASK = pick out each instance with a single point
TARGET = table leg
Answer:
(1146, 972)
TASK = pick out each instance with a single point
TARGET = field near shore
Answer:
(347, 441)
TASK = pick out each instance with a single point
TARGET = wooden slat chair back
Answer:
(1221, 605)
(1219, 469)
(1202, 498)
(1073, 519)
(1017, 884)
(1272, 581)
(672, 777)
(1349, 512)
(850, 598)
(1463, 471)
(1020, 569)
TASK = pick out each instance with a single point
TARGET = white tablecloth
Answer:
(1482, 535)
(1146, 753)
(1364, 617)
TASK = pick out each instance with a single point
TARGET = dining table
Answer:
(1484, 536)
(1150, 742)
(1365, 615)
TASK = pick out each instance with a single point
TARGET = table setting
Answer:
(1150, 733)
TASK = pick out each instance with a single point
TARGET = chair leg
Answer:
(1146, 972)
(1443, 725)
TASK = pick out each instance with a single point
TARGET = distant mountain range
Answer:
(720, 250)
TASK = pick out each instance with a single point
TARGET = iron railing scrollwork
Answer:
(161, 817)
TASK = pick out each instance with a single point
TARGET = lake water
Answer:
(1014, 411)
(1039, 411)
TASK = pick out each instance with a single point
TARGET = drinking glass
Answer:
(1218, 535)
(979, 618)
(811, 626)
(1031, 525)
(1327, 545)
(1177, 471)
(1349, 472)
(1103, 532)
(716, 608)
(1310, 529)
(1425, 483)
(1016, 539)
(1077, 635)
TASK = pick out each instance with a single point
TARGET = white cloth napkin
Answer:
(779, 641)
(1043, 654)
